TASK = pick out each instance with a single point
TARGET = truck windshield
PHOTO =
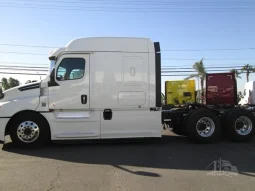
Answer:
(51, 66)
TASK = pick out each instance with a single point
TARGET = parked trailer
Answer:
(221, 89)
(106, 88)
(179, 92)
(220, 116)
(248, 94)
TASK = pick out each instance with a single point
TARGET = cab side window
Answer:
(71, 69)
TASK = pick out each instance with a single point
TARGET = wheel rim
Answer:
(205, 127)
(28, 131)
(243, 125)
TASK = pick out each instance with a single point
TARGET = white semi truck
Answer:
(104, 88)
(248, 94)
(96, 88)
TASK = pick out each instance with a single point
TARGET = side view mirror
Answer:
(52, 74)
(52, 81)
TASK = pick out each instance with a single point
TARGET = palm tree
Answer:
(236, 72)
(200, 72)
(247, 69)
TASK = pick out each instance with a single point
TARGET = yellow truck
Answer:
(179, 92)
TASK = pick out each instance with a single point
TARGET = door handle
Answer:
(84, 99)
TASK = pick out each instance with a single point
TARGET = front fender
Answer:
(10, 108)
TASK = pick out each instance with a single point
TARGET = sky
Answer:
(177, 25)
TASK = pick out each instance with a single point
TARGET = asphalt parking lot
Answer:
(171, 164)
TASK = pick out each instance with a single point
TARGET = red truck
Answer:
(221, 89)
(220, 115)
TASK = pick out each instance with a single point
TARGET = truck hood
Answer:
(22, 92)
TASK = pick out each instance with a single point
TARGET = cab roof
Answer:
(107, 44)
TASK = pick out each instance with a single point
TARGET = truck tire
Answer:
(29, 129)
(203, 126)
(239, 125)
(224, 119)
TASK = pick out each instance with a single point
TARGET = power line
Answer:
(23, 64)
(26, 69)
(104, 9)
(31, 46)
(189, 74)
(207, 59)
(143, 2)
(75, 4)
(162, 71)
(173, 67)
(29, 53)
(22, 73)
(192, 71)
(20, 66)
(238, 67)
(182, 67)
(205, 65)
(201, 50)
(167, 70)
(146, 1)
(114, 8)
(164, 50)
(193, 59)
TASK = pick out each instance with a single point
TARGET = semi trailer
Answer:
(106, 88)
(178, 92)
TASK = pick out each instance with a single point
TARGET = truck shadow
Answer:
(172, 152)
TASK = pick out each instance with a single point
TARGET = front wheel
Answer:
(29, 130)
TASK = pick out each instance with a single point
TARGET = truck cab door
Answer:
(69, 99)
(71, 90)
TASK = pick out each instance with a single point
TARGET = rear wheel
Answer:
(239, 125)
(29, 130)
(203, 126)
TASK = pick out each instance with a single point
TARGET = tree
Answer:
(5, 84)
(13, 82)
(237, 73)
(200, 72)
(1, 93)
(10, 83)
(247, 69)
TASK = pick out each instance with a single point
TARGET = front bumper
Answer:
(3, 123)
